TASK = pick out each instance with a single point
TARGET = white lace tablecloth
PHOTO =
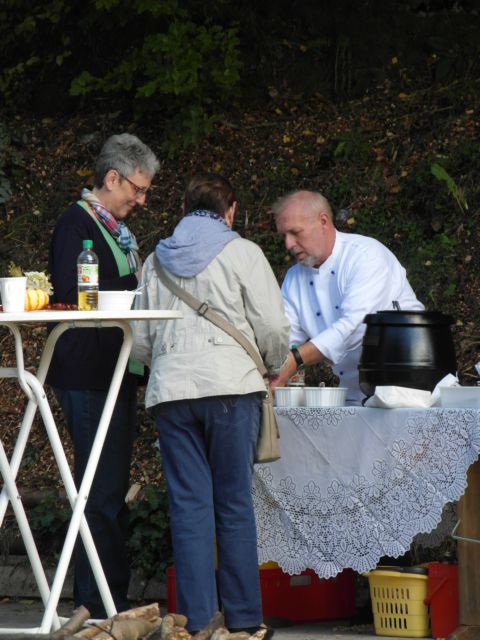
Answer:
(355, 484)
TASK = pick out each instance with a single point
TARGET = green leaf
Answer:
(339, 149)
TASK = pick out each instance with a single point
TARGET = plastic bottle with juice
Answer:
(87, 273)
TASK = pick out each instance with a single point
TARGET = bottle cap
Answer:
(87, 244)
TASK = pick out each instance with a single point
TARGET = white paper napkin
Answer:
(392, 397)
(448, 381)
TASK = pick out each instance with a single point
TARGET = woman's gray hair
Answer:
(126, 154)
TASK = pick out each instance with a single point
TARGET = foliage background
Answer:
(374, 103)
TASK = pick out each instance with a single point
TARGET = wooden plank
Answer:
(469, 552)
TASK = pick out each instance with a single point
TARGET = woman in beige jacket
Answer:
(206, 395)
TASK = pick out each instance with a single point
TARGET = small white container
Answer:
(289, 397)
(115, 300)
(325, 396)
(460, 397)
(13, 291)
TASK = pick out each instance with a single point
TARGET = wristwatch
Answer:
(298, 357)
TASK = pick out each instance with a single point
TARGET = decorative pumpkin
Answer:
(36, 299)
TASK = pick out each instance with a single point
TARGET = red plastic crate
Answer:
(301, 598)
(306, 597)
(171, 591)
(443, 598)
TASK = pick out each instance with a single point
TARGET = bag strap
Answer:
(203, 309)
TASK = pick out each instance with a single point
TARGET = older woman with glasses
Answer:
(84, 360)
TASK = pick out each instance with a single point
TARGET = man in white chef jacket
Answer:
(339, 278)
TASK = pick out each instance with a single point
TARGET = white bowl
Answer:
(460, 397)
(325, 396)
(115, 300)
(289, 397)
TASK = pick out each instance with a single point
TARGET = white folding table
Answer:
(32, 385)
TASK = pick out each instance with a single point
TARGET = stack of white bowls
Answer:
(310, 396)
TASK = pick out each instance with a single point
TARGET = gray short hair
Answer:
(311, 201)
(125, 153)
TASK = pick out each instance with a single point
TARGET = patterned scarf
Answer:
(119, 230)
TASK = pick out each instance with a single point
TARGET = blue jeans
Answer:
(207, 446)
(106, 511)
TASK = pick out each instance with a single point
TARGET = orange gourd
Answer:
(36, 299)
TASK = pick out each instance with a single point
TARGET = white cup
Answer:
(13, 291)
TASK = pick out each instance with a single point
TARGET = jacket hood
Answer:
(197, 239)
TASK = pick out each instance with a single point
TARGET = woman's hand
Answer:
(277, 380)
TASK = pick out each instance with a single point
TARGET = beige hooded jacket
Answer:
(192, 358)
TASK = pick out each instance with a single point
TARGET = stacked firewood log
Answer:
(137, 624)
(145, 622)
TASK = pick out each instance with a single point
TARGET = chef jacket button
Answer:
(311, 282)
(220, 339)
(336, 306)
(318, 313)
(332, 272)
(340, 373)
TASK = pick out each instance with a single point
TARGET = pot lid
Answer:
(401, 317)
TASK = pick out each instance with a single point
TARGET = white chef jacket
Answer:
(328, 305)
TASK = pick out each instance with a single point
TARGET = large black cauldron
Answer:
(406, 349)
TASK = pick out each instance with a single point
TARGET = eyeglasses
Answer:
(139, 191)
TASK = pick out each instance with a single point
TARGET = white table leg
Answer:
(78, 521)
(33, 389)
(54, 438)
(25, 531)
(27, 420)
(62, 463)
(21, 441)
(72, 495)
(19, 372)
(84, 490)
